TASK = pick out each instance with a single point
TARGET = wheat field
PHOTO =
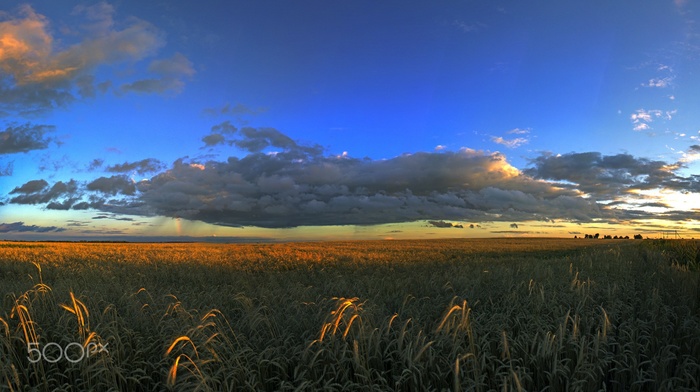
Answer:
(476, 315)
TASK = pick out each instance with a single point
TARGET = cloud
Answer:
(143, 166)
(219, 134)
(7, 169)
(510, 143)
(39, 192)
(213, 139)
(641, 127)
(607, 176)
(298, 186)
(281, 183)
(32, 186)
(113, 185)
(691, 155)
(95, 164)
(25, 138)
(443, 224)
(169, 77)
(113, 217)
(518, 131)
(62, 206)
(38, 73)
(235, 110)
(658, 82)
(20, 227)
(642, 118)
(255, 140)
(468, 27)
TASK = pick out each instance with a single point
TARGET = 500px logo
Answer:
(73, 352)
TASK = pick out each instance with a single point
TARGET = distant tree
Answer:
(575, 237)
(607, 237)
(615, 237)
(627, 237)
(596, 236)
(638, 237)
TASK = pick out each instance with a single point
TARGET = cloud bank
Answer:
(280, 183)
(276, 182)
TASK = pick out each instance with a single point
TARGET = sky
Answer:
(319, 120)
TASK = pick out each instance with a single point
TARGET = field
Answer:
(499, 314)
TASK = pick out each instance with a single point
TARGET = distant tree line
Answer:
(609, 237)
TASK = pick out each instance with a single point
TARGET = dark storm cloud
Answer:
(610, 175)
(25, 138)
(20, 227)
(297, 186)
(144, 166)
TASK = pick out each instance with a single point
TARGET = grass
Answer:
(525, 314)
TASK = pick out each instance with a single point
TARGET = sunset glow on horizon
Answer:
(267, 121)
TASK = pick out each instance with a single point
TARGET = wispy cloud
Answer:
(510, 143)
(6, 169)
(169, 77)
(234, 110)
(641, 119)
(468, 27)
(518, 131)
(659, 82)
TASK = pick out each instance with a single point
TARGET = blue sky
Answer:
(321, 120)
